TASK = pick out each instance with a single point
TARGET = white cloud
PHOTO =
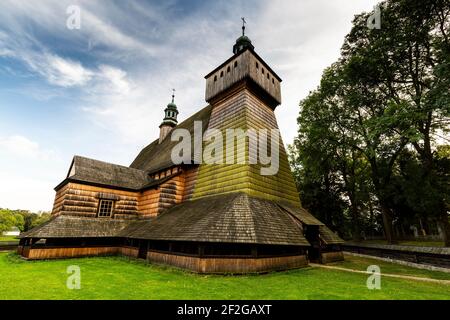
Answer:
(28, 174)
(22, 147)
(19, 145)
(25, 192)
(57, 70)
(115, 78)
(65, 72)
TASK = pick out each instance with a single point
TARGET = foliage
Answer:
(22, 219)
(10, 219)
(369, 135)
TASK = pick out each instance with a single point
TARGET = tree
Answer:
(10, 219)
(407, 64)
(388, 93)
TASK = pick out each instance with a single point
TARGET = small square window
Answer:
(105, 209)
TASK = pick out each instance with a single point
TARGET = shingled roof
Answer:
(230, 218)
(157, 156)
(301, 214)
(107, 174)
(79, 227)
(328, 236)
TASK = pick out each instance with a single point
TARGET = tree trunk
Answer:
(445, 226)
(387, 222)
(356, 224)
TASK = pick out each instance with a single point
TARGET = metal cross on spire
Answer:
(243, 25)
(173, 95)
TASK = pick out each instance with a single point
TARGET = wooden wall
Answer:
(59, 200)
(171, 193)
(148, 203)
(82, 200)
(244, 65)
(190, 178)
(328, 257)
(228, 265)
(68, 252)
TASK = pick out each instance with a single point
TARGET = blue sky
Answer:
(100, 91)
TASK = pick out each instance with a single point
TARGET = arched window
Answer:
(262, 70)
(235, 64)
(221, 74)
(228, 69)
(215, 78)
(257, 65)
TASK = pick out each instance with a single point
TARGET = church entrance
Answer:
(312, 235)
(143, 248)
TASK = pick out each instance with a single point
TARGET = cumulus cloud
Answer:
(22, 147)
(27, 169)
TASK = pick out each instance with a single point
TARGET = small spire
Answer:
(243, 26)
(173, 95)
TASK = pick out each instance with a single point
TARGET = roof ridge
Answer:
(106, 162)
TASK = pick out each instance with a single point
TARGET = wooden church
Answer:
(212, 218)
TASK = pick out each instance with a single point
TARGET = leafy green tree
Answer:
(10, 219)
(388, 93)
(406, 65)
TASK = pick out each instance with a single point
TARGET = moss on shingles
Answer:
(225, 178)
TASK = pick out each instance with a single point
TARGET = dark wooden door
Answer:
(312, 235)
(143, 248)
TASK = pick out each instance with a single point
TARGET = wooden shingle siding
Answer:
(231, 218)
(190, 178)
(171, 193)
(245, 111)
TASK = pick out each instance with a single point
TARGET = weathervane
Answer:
(173, 95)
(243, 25)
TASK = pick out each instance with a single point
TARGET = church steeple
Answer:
(170, 119)
(244, 69)
(243, 42)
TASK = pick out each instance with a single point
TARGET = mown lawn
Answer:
(120, 278)
(8, 239)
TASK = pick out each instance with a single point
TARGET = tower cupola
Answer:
(243, 42)
(170, 119)
(244, 69)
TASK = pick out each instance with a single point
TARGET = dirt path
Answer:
(382, 274)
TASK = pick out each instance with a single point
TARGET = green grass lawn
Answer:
(120, 278)
(8, 239)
